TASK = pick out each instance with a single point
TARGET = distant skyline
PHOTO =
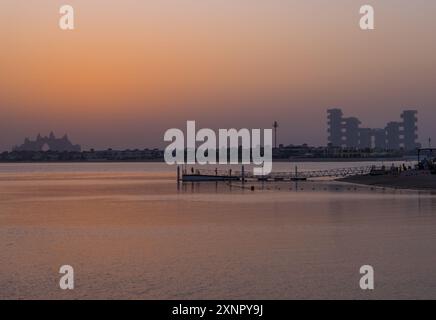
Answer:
(133, 69)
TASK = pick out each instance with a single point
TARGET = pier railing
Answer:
(306, 174)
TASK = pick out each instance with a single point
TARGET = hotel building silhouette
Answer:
(347, 133)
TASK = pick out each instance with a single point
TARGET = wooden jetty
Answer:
(203, 175)
(207, 178)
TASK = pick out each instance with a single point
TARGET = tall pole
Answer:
(275, 126)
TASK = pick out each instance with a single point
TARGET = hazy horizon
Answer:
(131, 70)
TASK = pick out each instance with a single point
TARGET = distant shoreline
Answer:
(298, 160)
(347, 159)
(87, 161)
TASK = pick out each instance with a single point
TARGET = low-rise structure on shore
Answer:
(83, 156)
(282, 153)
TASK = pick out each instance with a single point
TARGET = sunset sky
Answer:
(135, 68)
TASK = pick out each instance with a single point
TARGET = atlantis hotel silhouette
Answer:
(48, 143)
(347, 133)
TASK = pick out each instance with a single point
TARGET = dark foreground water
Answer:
(129, 232)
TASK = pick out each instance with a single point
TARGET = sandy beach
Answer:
(416, 180)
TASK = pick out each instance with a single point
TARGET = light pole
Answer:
(275, 126)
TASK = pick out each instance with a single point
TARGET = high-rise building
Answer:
(351, 132)
(393, 139)
(334, 121)
(346, 132)
(365, 138)
(410, 129)
(379, 139)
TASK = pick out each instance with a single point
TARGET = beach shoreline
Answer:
(413, 181)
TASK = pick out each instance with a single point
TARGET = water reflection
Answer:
(135, 234)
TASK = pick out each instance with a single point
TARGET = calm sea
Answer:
(129, 232)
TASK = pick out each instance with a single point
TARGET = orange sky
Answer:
(133, 69)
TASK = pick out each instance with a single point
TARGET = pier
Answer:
(207, 175)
